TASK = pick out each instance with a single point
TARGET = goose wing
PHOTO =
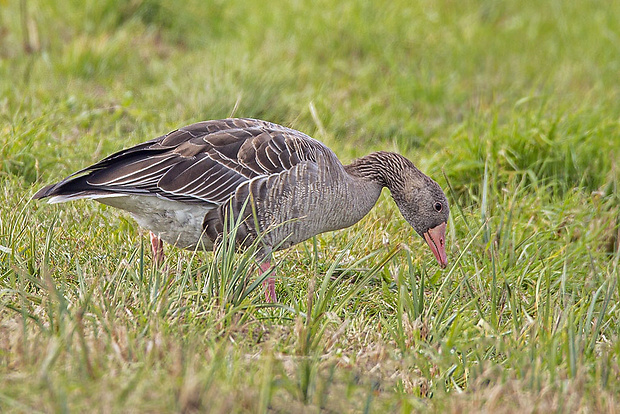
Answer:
(200, 163)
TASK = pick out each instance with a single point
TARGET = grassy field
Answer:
(513, 107)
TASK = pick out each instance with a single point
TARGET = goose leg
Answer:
(157, 246)
(269, 284)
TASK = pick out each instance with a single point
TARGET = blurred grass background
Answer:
(513, 106)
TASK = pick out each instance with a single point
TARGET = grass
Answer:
(511, 106)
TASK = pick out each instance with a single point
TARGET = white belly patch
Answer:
(176, 223)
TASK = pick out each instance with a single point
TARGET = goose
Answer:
(284, 186)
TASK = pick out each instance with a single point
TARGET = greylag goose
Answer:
(284, 185)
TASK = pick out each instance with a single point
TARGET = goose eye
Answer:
(438, 206)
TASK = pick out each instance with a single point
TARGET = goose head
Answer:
(426, 209)
(422, 203)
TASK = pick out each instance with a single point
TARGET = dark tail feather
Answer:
(44, 192)
(72, 188)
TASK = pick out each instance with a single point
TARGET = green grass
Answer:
(513, 107)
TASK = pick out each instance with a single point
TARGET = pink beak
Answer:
(436, 239)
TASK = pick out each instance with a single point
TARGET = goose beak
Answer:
(436, 239)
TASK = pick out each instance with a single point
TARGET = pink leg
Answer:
(269, 284)
(157, 246)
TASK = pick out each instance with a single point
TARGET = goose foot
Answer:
(269, 284)
(157, 247)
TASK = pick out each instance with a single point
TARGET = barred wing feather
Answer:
(201, 163)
